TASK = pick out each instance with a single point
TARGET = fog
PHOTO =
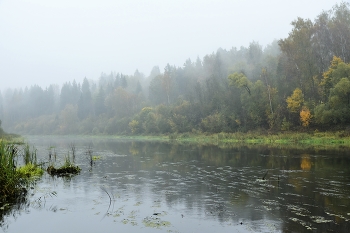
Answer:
(52, 42)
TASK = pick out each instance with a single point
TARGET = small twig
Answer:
(110, 198)
(265, 175)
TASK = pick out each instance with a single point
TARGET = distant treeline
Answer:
(296, 83)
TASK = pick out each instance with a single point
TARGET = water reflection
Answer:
(12, 209)
(189, 188)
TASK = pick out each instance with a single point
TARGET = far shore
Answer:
(284, 139)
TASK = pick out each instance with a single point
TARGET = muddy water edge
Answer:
(143, 186)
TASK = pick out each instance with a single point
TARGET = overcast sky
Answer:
(53, 41)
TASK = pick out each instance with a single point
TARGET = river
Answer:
(147, 186)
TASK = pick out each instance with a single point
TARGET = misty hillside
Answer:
(299, 82)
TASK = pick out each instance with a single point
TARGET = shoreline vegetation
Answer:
(15, 176)
(286, 139)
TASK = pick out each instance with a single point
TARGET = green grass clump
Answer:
(30, 171)
(13, 181)
(67, 169)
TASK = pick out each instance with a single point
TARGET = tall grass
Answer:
(10, 182)
(13, 181)
(29, 156)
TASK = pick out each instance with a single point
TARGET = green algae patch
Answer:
(155, 222)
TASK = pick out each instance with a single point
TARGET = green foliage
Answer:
(67, 169)
(13, 182)
(286, 125)
(214, 123)
(30, 171)
(295, 101)
(336, 83)
(239, 80)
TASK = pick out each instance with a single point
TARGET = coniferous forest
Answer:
(297, 83)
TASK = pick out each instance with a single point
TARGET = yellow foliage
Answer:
(146, 109)
(327, 75)
(295, 101)
(305, 116)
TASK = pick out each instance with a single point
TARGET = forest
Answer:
(299, 83)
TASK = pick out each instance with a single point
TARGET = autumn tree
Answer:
(305, 116)
(295, 101)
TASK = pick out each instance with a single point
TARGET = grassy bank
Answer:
(285, 139)
(313, 138)
(253, 137)
(281, 139)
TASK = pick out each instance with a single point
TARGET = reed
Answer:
(89, 153)
(29, 155)
(73, 149)
(14, 181)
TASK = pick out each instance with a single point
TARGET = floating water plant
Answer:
(63, 171)
(66, 170)
(96, 157)
(155, 222)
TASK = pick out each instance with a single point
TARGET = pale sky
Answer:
(53, 41)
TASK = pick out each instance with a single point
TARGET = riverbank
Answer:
(315, 138)
(281, 139)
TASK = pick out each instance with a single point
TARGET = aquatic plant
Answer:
(96, 157)
(155, 222)
(73, 149)
(9, 180)
(14, 181)
(38, 203)
(30, 170)
(89, 154)
(67, 169)
(29, 156)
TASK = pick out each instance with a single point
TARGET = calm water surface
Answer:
(137, 186)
